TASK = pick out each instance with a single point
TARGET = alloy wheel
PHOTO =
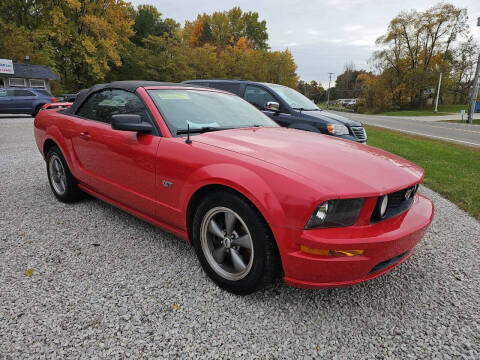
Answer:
(226, 243)
(57, 174)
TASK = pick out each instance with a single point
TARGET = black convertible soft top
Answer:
(130, 85)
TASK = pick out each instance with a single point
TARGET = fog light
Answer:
(383, 206)
(329, 252)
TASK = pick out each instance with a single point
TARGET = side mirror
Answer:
(273, 106)
(130, 122)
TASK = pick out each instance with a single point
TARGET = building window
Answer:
(37, 83)
(17, 82)
(2, 83)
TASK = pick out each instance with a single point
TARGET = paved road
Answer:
(424, 125)
(107, 285)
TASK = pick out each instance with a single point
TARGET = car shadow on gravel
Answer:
(15, 116)
(376, 291)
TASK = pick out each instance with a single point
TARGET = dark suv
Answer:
(24, 100)
(289, 108)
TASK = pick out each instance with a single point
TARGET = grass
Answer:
(451, 170)
(475, 121)
(442, 110)
(413, 113)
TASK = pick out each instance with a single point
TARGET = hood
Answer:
(327, 163)
(330, 118)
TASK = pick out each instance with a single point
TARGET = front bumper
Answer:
(386, 244)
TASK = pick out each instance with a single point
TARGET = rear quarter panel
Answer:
(53, 125)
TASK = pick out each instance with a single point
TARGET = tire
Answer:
(239, 255)
(62, 183)
(37, 109)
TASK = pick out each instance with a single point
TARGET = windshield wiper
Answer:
(201, 130)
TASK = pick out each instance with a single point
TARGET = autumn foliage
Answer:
(417, 47)
(86, 42)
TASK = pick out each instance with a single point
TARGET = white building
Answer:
(16, 75)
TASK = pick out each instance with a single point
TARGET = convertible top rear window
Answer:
(199, 108)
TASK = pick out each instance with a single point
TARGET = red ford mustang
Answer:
(256, 200)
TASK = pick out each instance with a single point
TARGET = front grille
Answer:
(359, 133)
(398, 202)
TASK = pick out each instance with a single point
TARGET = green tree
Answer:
(148, 21)
(313, 90)
(346, 84)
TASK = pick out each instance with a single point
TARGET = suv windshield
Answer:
(206, 110)
(293, 98)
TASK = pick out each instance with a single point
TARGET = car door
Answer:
(117, 164)
(6, 97)
(23, 102)
(259, 97)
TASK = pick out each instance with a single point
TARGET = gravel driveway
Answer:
(108, 285)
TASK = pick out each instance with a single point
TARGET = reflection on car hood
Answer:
(334, 164)
(330, 118)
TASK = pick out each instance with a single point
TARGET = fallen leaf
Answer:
(175, 306)
(29, 272)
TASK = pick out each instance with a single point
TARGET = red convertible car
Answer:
(257, 201)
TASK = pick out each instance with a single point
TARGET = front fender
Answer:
(241, 179)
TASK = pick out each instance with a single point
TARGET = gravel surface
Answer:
(108, 285)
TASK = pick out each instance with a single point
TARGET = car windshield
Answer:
(206, 110)
(293, 98)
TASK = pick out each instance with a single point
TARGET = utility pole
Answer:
(474, 93)
(438, 93)
(328, 92)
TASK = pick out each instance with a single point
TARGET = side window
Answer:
(19, 93)
(233, 88)
(103, 104)
(258, 97)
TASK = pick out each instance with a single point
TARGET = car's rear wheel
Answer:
(62, 183)
(234, 244)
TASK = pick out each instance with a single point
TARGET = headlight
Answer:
(336, 129)
(335, 213)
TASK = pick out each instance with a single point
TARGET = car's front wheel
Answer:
(234, 244)
(62, 182)
(36, 110)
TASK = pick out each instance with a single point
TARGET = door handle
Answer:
(85, 135)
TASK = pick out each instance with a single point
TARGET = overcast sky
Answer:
(322, 35)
